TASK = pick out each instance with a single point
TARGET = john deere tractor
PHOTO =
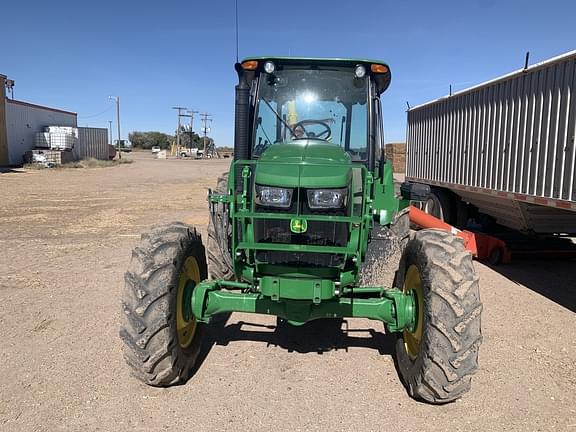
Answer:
(307, 225)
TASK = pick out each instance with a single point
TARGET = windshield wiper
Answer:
(278, 116)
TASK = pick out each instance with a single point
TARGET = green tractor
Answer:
(307, 225)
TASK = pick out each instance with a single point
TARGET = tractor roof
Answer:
(382, 75)
(344, 61)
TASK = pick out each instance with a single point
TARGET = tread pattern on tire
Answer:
(148, 329)
(219, 260)
(452, 329)
(385, 250)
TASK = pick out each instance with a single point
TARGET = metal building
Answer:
(3, 138)
(92, 143)
(19, 123)
(24, 119)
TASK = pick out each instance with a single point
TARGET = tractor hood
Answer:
(306, 164)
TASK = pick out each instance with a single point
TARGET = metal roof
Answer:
(17, 102)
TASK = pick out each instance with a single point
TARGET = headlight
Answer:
(360, 71)
(269, 67)
(273, 196)
(327, 198)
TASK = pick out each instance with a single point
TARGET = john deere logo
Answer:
(298, 226)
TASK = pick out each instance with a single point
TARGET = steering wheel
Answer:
(301, 125)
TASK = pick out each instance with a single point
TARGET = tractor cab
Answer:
(309, 102)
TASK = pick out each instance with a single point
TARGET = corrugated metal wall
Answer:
(513, 134)
(3, 141)
(92, 143)
(23, 120)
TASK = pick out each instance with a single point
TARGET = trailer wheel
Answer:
(219, 231)
(162, 339)
(438, 358)
(439, 204)
(495, 256)
(462, 214)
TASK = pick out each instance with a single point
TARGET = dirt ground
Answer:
(65, 239)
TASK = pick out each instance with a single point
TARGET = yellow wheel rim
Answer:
(185, 321)
(412, 340)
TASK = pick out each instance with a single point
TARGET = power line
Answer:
(192, 121)
(96, 115)
(117, 100)
(205, 117)
(180, 109)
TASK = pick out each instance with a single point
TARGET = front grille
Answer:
(318, 233)
(300, 259)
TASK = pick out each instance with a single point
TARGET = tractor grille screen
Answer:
(317, 234)
(300, 259)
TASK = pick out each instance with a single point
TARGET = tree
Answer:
(189, 139)
(147, 140)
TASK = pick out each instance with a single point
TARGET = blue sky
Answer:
(156, 55)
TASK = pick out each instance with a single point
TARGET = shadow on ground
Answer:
(552, 278)
(10, 170)
(317, 336)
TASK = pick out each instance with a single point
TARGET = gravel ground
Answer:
(66, 237)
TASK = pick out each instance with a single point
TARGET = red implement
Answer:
(482, 246)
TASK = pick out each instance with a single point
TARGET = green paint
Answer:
(304, 163)
(314, 290)
(292, 290)
(187, 300)
(298, 225)
(306, 151)
(394, 308)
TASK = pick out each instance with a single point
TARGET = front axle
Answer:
(396, 309)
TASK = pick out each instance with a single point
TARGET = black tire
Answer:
(495, 257)
(400, 227)
(219, 231)
(462, 214)
(385, 250)
(149, 303)
(440, 204)
(447, 356)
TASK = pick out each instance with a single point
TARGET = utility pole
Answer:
(110, 130)
(205, 117)
(117, 99)
(191, 124)
(179, 109)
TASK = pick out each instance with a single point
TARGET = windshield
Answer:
(327, 104)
